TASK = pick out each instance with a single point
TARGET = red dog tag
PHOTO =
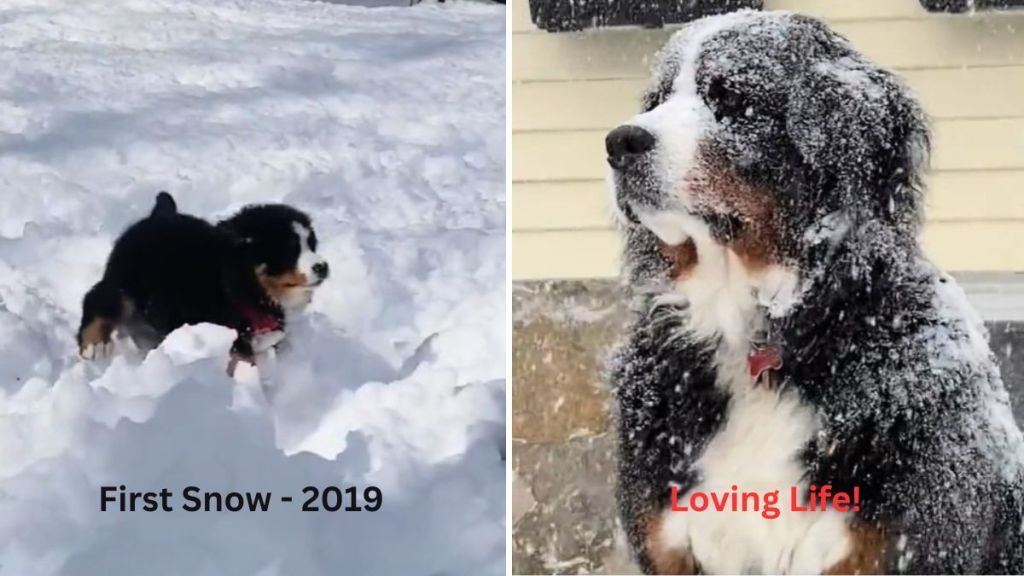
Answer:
(762, 359)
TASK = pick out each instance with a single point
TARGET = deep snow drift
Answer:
(387, 126)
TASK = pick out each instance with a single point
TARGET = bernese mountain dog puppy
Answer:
(171, 269)
(787, 328)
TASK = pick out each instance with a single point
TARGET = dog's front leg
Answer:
(667, 407)
(101, 312)
(241, 351)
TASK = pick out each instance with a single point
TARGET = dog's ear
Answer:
(863, 138)
(238, 239)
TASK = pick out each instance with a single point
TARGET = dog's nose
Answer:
(627, 143)
(321, 269)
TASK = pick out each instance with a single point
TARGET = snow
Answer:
(387, 126)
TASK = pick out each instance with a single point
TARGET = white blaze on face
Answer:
(307, 258)
(721, 293)
(679, 125)
(296, 299)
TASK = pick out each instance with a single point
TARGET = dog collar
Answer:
(259, 322)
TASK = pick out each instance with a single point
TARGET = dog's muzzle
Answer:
(322, 271)
(630, 148)
(626, 145)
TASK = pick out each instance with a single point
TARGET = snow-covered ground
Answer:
(387, 126)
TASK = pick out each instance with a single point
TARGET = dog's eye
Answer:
(656, 95)
(726, 102)
(652, 100)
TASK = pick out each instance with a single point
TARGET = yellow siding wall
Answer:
(568, 90)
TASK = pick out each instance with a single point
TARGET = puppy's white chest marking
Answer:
(265, 340)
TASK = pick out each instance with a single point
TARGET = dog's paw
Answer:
(95, 342)
(245, 373)
(237, 360)
(97, 351)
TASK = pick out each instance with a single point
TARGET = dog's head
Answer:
(279, 244)
(759, 130)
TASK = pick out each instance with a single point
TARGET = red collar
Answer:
(761, 359)
(259, 322)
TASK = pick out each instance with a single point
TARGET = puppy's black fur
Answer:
(172, 269)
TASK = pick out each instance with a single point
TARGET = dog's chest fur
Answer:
(757, 447)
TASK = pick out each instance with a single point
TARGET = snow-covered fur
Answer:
(771, 189)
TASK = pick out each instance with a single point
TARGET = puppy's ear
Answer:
(238, 239)
(862, 137)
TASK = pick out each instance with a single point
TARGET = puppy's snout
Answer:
(321, 270)
(626, 144)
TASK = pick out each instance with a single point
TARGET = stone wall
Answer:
(563, 510)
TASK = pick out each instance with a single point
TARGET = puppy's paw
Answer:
(245, 374)
(98, 351)
(240, 363)
(94, 342)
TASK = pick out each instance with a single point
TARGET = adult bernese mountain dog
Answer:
(787, 328)
(172, 269)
